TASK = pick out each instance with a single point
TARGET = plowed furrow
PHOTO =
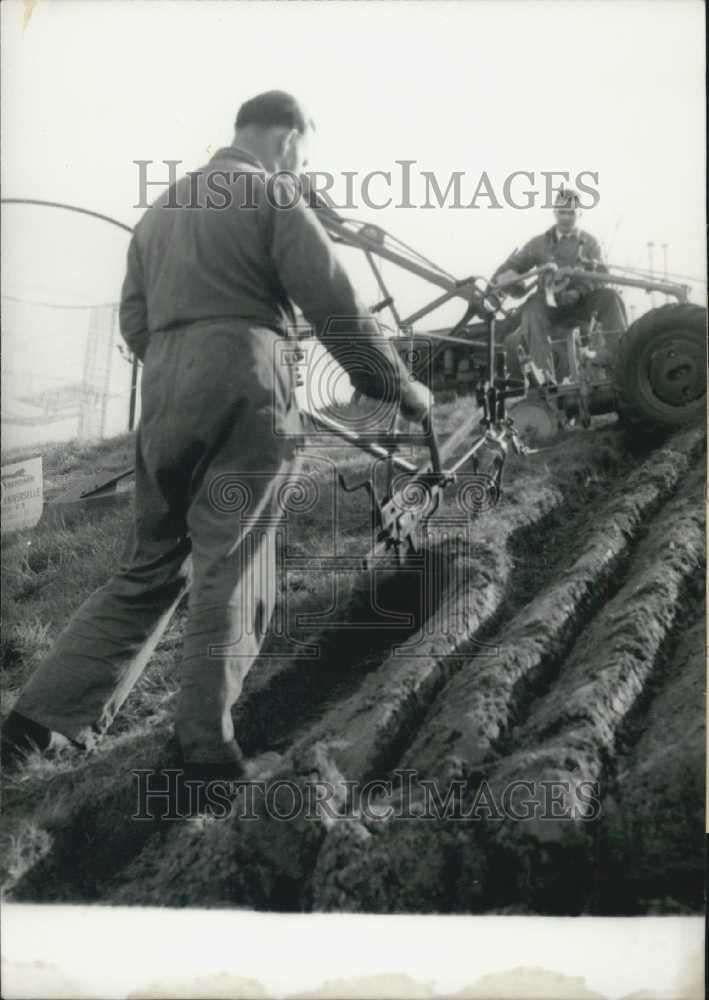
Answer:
(478, 707)
(546, 823)
(651, 837)
(563, 703)
(572, 730)
(368, 730)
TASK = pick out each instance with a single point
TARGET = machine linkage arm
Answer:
(406, 508)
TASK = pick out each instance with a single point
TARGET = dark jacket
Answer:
(579, 249)
(232, 241)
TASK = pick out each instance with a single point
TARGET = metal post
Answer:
(388, 299)
(664, 267)
(651, 256)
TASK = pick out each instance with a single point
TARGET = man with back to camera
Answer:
(205, 302)
(561, 247)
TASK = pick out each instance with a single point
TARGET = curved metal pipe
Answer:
(69, 208)
(113, 222)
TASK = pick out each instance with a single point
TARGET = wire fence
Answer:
(66, 373)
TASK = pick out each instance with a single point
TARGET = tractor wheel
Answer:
(661, 366)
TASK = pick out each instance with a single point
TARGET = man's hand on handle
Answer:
(416, 401)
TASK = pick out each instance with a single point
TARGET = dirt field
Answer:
(528, 692)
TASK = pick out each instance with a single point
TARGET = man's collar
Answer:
(558, 235)
(237, 153)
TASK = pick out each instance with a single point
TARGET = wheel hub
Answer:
(676, 370)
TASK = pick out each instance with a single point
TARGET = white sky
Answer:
(614, 88)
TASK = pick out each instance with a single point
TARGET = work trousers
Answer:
(538, 319)
(215, 456)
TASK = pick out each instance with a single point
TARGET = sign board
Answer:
(22, 496)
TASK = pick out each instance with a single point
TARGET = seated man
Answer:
(562, 247)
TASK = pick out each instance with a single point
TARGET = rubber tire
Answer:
(639, 403)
